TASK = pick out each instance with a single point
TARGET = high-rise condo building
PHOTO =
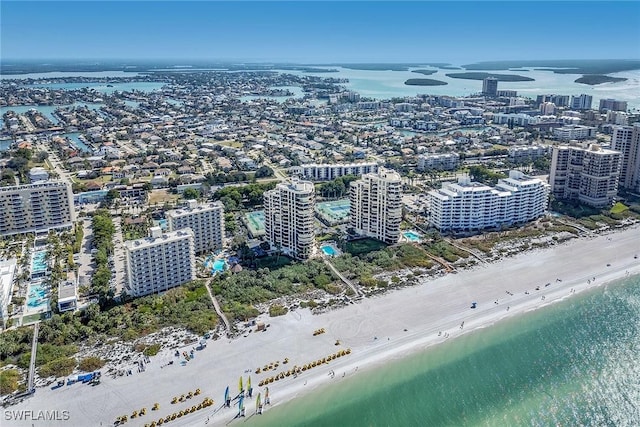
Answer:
(587, 174)
(41, 206)
(328, 172)
(490, 86)
(581, 102)
(612, 105)
(160, 262)
(376, 205)
(626, 139)
(205, 220)
(289, 222)
(469, 206)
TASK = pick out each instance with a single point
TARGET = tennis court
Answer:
(334, 212)
(255, 223)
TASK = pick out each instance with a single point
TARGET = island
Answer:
(481, 76)
(425, 82)
(596, 79)
(425, 72)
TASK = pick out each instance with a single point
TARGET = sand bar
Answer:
(375, 329)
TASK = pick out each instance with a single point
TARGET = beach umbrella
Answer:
(240, 405)
(266, 395)
(226, 395)
(240, 385)
(258, 403)
(249, 382)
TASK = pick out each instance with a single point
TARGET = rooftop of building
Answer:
(157, 237)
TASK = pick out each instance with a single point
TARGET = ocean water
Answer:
(389, 84)
(573, 363)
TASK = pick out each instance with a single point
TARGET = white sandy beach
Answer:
(375, 329)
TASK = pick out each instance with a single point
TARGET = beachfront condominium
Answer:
(41, 206)
(376, 205)
(206, 220)
(470, 206)
(581, 102)
(626, 139)
(328, 172)
(588, 174)
(612, 105)
(289, 218)
(160, 262)
(490, 86)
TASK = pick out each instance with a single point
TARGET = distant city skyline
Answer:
(320, 32)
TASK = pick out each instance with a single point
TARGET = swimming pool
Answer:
(39, 262)
(218, 265)
(328, 250)
(37, 297)
(411, 236)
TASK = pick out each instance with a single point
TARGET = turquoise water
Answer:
(219, 265)
(39, 262)
(37, 296)
(389, 84)
(328, 250)
(411, 236)
(572, 363)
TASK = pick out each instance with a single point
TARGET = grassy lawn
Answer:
(618, 208)
(162, 196)
(363, 246)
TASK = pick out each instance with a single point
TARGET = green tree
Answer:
(191, 194)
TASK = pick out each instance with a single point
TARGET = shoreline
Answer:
(377, 329)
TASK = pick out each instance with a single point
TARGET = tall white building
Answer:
(587, 174)
(376, 205)
(626, 139)
(289, 218)
(205, 220)
(467, 205)
(36, 207)
(328, 172)
(569, 132)
(444, 161)
(160, 262)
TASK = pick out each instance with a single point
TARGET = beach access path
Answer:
(376, 329)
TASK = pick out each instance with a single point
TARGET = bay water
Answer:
(575, 362)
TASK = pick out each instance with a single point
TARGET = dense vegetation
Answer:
(563, 66)
(425, 82)
(239, 292)
(596, 79)
(485, 175)
(103, 231)
(481, 76)
(425, 72)
(238, 198)
(337, 188)
(187, 306)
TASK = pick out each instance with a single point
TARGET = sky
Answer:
(320, 32)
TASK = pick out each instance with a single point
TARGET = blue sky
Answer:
(303, 31)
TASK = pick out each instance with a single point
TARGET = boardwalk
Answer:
(32, 364)
(344, 279)
(216, 305)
